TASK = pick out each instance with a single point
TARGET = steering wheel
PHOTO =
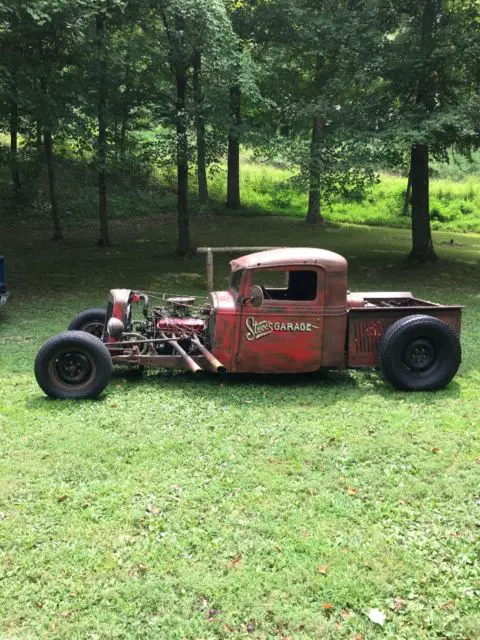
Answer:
(266, 295)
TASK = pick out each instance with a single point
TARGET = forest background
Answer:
(339, 112)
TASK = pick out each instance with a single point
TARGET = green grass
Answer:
(265, 190)
(455, 205)
(178, 507)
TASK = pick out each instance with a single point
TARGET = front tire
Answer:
(419, 353)
(73, 365)
(90, 321)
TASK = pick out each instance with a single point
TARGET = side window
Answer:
(302, 285)
(286, 285)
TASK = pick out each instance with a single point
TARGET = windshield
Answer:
(235, 279)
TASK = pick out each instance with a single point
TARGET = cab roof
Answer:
(289, 257)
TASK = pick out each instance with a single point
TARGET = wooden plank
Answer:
(233, 249)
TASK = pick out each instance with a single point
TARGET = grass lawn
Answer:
(269, 508)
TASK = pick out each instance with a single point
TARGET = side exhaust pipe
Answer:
(191, 364)
(215, 364)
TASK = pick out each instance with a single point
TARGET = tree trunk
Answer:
(313, 214)
(14, 60)
(408, 193)
(48, 148)
(104, 239)
(116, 138)
(38, 136)
(123, 136)
(233, 177)
(200, 127)
(422, 245)
(183, 247)
(426, 82)
(125, 115)
(127, 94)
(14, 146)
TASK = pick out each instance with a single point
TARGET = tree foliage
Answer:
(335, 88)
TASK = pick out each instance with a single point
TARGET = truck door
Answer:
(284, 334)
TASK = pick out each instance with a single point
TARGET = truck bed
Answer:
(371, 313)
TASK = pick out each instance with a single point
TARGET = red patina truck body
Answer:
(333, 329)
(285, 311)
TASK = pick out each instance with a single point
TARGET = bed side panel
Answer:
(367, 326)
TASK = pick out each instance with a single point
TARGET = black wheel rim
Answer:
(94, 328)
(72, 368)
(420, 355)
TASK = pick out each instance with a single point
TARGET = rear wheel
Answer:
(73, 365)
(419, 353)
(90, 321)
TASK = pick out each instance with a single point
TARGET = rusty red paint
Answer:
(281, 336)
(291, 257)
(367, 326)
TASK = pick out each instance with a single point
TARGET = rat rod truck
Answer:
(285, 311)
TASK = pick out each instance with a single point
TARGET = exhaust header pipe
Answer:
(190, 362)
(215, 364)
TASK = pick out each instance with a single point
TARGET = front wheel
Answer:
(90, 321)
(73, 365)
(419, 353)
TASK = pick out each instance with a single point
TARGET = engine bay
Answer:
(167, 324)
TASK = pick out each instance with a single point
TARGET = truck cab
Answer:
(284, 311)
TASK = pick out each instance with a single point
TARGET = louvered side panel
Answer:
(364, 338)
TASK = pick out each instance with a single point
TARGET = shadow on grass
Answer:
(238, 380)
(420, 397)
(348, 383)
(345, 385)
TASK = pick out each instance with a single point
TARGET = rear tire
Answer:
(90, 321)
(419, 353)
(73, 365)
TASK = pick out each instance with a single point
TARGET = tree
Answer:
(429, 108)
(313, 62)
(199, 99)
(422, 243)
(102, 143)
(44, 38)
(247, 23)
(11, 84)
(12, 61)
(187, 24)
(98, 71)
(233, 156)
